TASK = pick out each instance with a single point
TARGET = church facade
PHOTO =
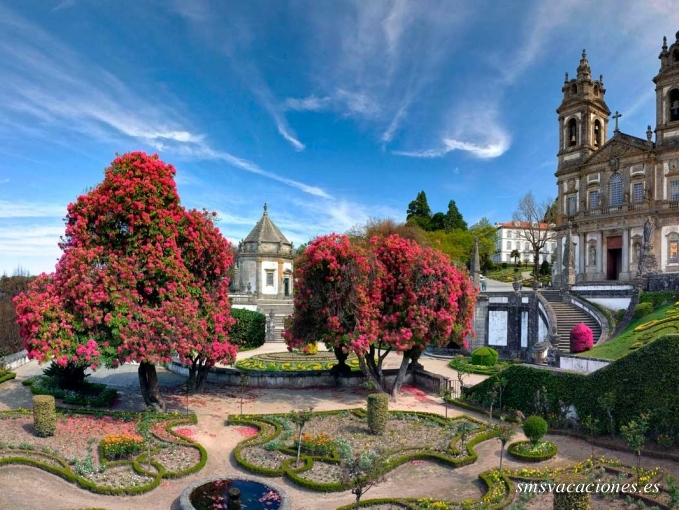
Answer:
(264, 262)
(618, 196)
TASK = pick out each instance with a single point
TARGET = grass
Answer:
(635, 336)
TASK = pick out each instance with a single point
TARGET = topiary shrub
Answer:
(535, 427)
(44, 415)
(486, 356)
(249, 331)
(378, 412)
(582, 338)
(642, 310)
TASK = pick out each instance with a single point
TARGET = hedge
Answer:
(100, 394)
(486, 356)
(23, 457)
(249, 331)
(7, 377)
(378, 412)
(638, 382)
(393, 459)
(44, 415)
(512, 449)
(642, 310)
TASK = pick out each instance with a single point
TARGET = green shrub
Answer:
(249, 331)
(534, 427)
(642, 310)
(44, 415)
(486, 356)
(620, 314)
(565, 500)
(378, 412)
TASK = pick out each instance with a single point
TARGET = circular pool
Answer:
(222, 492)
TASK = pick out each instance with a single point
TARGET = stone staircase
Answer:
(567, 316)
(281, 309)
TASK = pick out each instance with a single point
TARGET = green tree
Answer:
(453, 218)
(437, 222)
(487, 236)
(360, 472)
(419, 212)
(506, 432)
(635, 435)
(300, 418)
(516, 255)
(591, 425)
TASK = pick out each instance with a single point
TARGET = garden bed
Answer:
(89, 394)
(466, 366)
(74, 453)
(293, 362)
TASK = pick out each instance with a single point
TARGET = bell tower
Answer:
(583, 116)
(667, 95)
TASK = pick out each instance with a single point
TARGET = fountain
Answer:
(225, 493)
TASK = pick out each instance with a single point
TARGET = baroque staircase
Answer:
(567, 316)
(281, 309)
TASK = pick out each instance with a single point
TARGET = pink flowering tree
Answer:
(424, 301)
(390, 296)
(140, 279)
(335, 298)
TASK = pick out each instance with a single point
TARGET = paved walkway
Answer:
(27, 488)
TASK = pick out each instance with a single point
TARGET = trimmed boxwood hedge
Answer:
(27, 457)
(512, 449)
(249, 331)
(100, 394)
(486, 356)
(639, 382)
(397, 457)
(6, 377)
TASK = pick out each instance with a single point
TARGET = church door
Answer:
(614, 257)
(286, 287)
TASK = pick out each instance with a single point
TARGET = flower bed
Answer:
(292, 362)
(115, 453)
(408, 436)
(466, 365)
(532, 452)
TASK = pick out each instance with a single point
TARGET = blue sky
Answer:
(330, 111)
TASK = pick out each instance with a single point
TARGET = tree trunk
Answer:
(402, 371)
(368, 373)
(198, 371)
(148, 382)
(341, 367)
(501, 454)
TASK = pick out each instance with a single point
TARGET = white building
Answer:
(515, 235)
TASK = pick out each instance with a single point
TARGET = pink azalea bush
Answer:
(582, 338)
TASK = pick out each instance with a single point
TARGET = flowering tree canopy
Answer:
(140, 278)
(392, 295)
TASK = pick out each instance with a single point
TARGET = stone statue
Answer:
(568, 259)
(649, 227)
(592, 254)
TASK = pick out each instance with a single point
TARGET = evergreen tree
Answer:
(419, 212)
(453, 218)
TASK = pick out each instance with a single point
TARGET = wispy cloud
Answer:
(309, 104)
(22, 209)
(4, 181)
(43, 79)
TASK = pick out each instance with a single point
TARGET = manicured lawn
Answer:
(635, 336)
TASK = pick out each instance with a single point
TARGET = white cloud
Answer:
(21, 209)
(309, 104)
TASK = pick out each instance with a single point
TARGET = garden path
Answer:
(24, 488)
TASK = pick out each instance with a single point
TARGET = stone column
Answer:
(581, 270)
(258, 278)
(600, 256)
(625, 274)
(280, 279)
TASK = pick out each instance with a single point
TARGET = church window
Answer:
(509, 234)
(596, 91)
(615, 190)
(526, 246)
(572, 205)
(574, 88)
(597, 133)
(674, 190)
(673, 252)
(674, 105)
(638, 192)
(269, 278)
(572, 132)
(594, 199)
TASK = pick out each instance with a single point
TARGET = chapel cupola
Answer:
(667, 94)
(583, 115)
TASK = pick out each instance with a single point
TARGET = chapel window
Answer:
(673, 251)
(594, 199)
(638, 192)
(572, 205)
(615, 191)
(597, 133)
(269, 278)
(674, 190)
